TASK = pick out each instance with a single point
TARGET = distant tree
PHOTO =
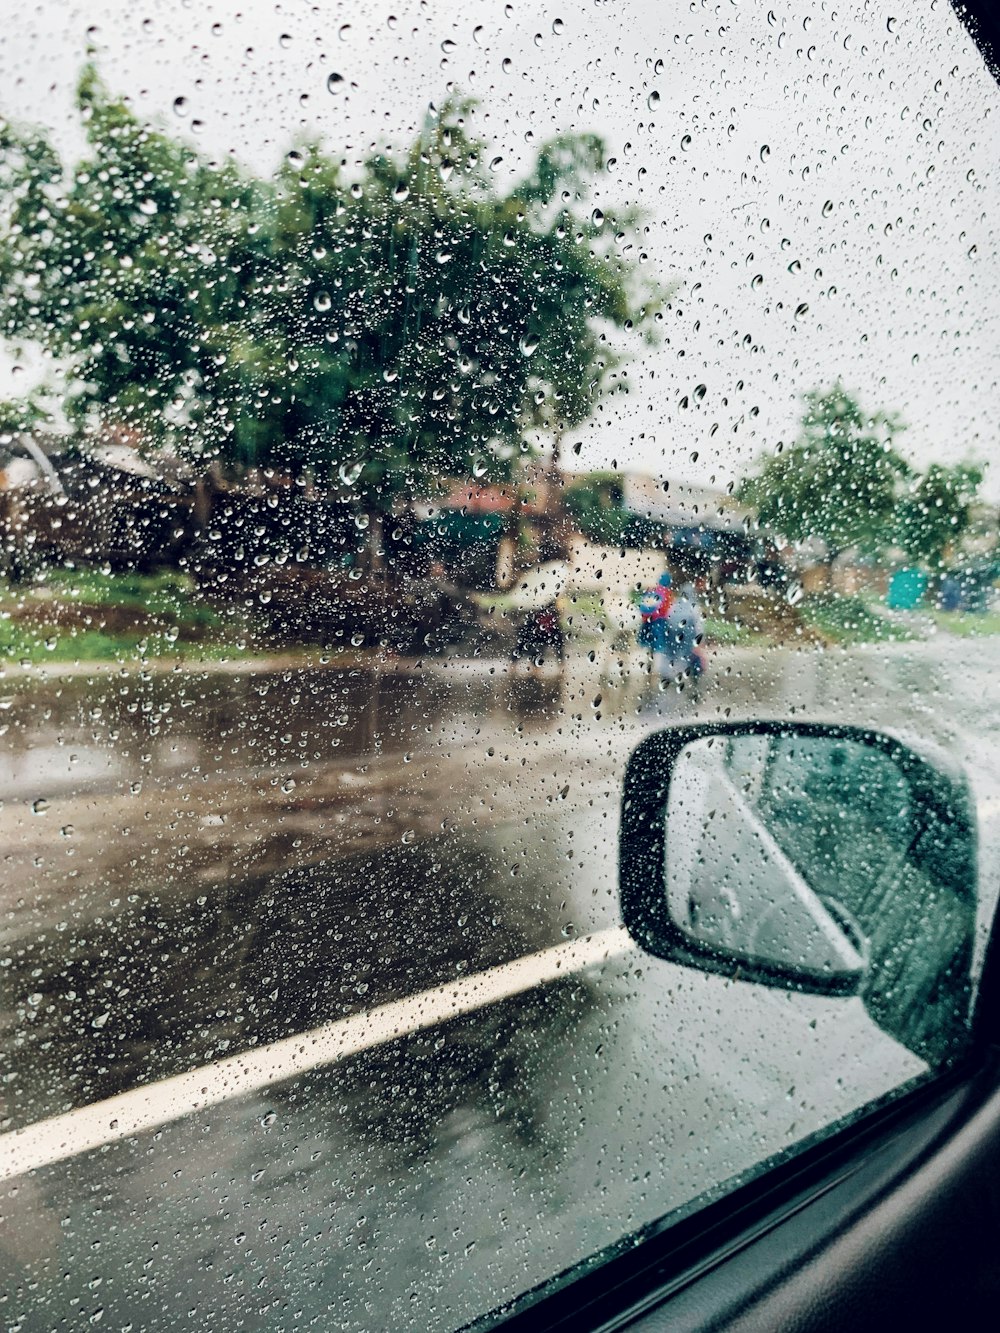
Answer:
(378, 330)
(935, 512)
(838, 482)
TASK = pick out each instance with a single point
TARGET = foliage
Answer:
(377, 330)
(839, 481)
(935, 512)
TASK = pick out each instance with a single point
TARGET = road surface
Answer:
(318, 1010)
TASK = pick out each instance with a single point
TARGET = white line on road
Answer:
(146, 1108)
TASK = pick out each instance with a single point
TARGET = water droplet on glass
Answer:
(653, 100)
(322, 301)
(597, 218)
(39, 806)
(333, 82)
(800, 310)
(528, 344)
(148, 206)
(828, 208)
(765, 152)
(180, 106)
(400, 193)
(350, 472)
(557, 27)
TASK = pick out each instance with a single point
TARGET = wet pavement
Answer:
(198, 865)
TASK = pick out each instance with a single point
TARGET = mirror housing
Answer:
(762, 901)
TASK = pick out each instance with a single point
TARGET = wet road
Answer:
(199, 866)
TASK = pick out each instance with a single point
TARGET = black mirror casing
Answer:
(945, 826)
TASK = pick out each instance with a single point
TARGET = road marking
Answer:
(149, 1107)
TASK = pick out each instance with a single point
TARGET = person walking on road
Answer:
(684, 629)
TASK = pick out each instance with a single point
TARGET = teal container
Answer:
(906, 589)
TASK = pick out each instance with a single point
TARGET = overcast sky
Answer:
(838, 157)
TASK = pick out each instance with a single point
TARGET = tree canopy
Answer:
(935, 512)
(839, 481)
(378, 328)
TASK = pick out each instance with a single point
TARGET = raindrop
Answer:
(686, 143)
(528, 344)
(795, 266)
(180, 106)
(268, 1120)
(401, 192)
(653, 100)
(495, 163)
(597, 218)
(828, 208)
(343, 31)
(557, 27)
(39, 806)
(350, 472)
(333, 82)
(322, 301)
(765, 152)
(148, 206)
(758, 281)
(800, 310)
(285, 40)
(447, 46)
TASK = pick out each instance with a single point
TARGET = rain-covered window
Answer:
(404, 411)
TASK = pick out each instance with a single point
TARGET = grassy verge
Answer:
(88, 616)
(848, 620)
(967, 624)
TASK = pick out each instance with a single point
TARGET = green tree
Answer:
(377, 330)
(838, 482)
(935, 512)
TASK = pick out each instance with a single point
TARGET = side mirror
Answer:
(825, 859)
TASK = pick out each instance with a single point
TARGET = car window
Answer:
(403, 413)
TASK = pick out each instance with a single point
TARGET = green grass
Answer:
(727, 632)
(967, 624)
(34, 644)
(848, 620)
(183, 624)
(169, 594)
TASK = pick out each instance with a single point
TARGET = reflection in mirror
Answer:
(731, 886)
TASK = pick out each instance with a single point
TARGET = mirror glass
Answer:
(730, 883)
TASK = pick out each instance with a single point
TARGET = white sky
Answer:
(881, 181)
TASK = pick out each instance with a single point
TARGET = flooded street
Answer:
(201, 867)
